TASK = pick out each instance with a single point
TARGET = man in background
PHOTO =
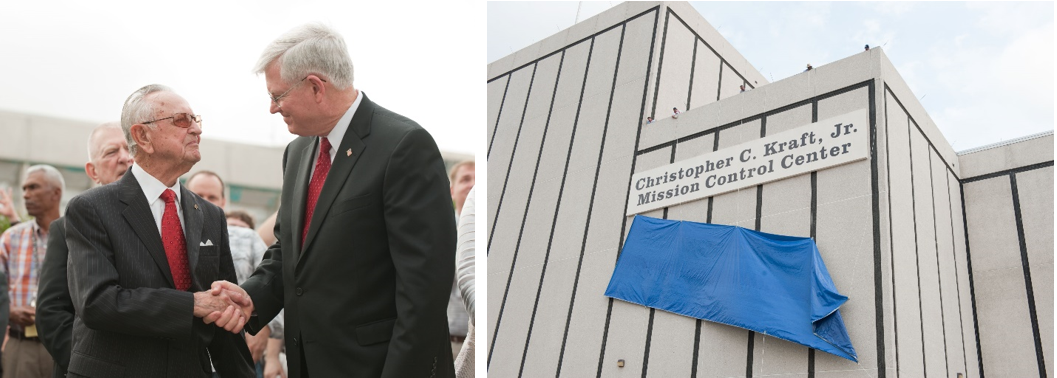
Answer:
(461, 177)
(247, 248)
(23, 248)
(108, 160)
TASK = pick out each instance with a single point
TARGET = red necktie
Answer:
(316, 185)
(172, 237)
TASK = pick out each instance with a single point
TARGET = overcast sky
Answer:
(983, 71)
(81, 59)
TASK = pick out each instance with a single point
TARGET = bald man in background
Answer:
(108, 160)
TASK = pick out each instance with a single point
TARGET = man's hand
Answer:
(239, 298)
(23, 315)
(258, 343)
(7, 207)
(206, 304)
(273, 367)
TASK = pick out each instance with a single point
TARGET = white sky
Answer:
(81, 59)
(983, 71)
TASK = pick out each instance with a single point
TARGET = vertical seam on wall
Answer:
(649, 327)
(693, 65)
(528, 206)
(719, 87)
(972, 285)
(891, 237)
(917, 256)
(572, 139)
(631, 173)
(957, 277)
(697, 36)
(513, 152)
(697, 327)
(876, 204)
(814, 227)
(1029, 288)
(558, 204)
(939, 272)
(498, 116)
(660, 64)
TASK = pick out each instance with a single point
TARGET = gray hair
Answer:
(137, 110)
(51, 175)
(91, 137)
(307, 49)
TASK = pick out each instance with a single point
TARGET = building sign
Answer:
(820, 145)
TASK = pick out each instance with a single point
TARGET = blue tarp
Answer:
(772, 284)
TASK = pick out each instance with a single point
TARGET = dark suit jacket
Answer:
(367, 294)
(130, 320)
(54, 306)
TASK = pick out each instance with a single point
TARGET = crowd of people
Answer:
(366, 269)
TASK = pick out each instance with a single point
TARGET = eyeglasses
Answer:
(276, 99)
(180, 120)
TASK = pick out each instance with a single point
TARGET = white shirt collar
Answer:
(338, 132)
(152, 187)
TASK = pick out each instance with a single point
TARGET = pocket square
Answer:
(208, 243)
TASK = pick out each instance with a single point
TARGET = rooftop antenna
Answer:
(578, 5)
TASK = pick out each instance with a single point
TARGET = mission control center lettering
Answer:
(824, 144)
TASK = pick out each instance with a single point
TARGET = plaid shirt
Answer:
(22, 249)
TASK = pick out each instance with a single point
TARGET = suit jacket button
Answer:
(298, 292)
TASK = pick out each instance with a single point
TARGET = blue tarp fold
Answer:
(772, 284)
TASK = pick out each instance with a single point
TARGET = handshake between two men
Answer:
(225, 304)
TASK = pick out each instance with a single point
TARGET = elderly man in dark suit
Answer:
(108, 160)
(366, 231)
(141, 252)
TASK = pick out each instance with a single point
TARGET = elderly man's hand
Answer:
(239, 298)
(221, 307)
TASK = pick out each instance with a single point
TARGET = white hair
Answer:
(92, 147)
(309, 49)
(51, 175)
(137, 110)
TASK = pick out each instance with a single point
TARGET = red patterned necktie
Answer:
(172, 237)
(316, 185)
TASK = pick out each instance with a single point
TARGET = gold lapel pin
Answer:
(196, 206)
(348, 152)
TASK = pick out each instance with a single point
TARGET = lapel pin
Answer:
(348, 152)
(196, 206)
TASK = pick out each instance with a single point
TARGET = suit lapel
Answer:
(140, 218)
(300, 192)
(348, 154)
(192, 226)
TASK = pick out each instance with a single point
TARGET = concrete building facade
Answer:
(907, 234)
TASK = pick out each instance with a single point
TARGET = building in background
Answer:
(947, 257)
(252, 173)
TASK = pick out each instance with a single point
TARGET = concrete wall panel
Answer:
(789, 119)
(706, 76)
(496, 90)
(904, 257)
(948, 273)
(1002, 308)
(1024, 153)
(972, 368)
(730, 82)
(675, 68)
(506, 135)
(931, 312)
(1036, 205)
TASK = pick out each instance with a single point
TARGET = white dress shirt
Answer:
(152, 189)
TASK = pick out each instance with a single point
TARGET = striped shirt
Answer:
(22, 249)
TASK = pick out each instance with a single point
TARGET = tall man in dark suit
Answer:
(366, 231)
(141, 252)
(108, 160)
